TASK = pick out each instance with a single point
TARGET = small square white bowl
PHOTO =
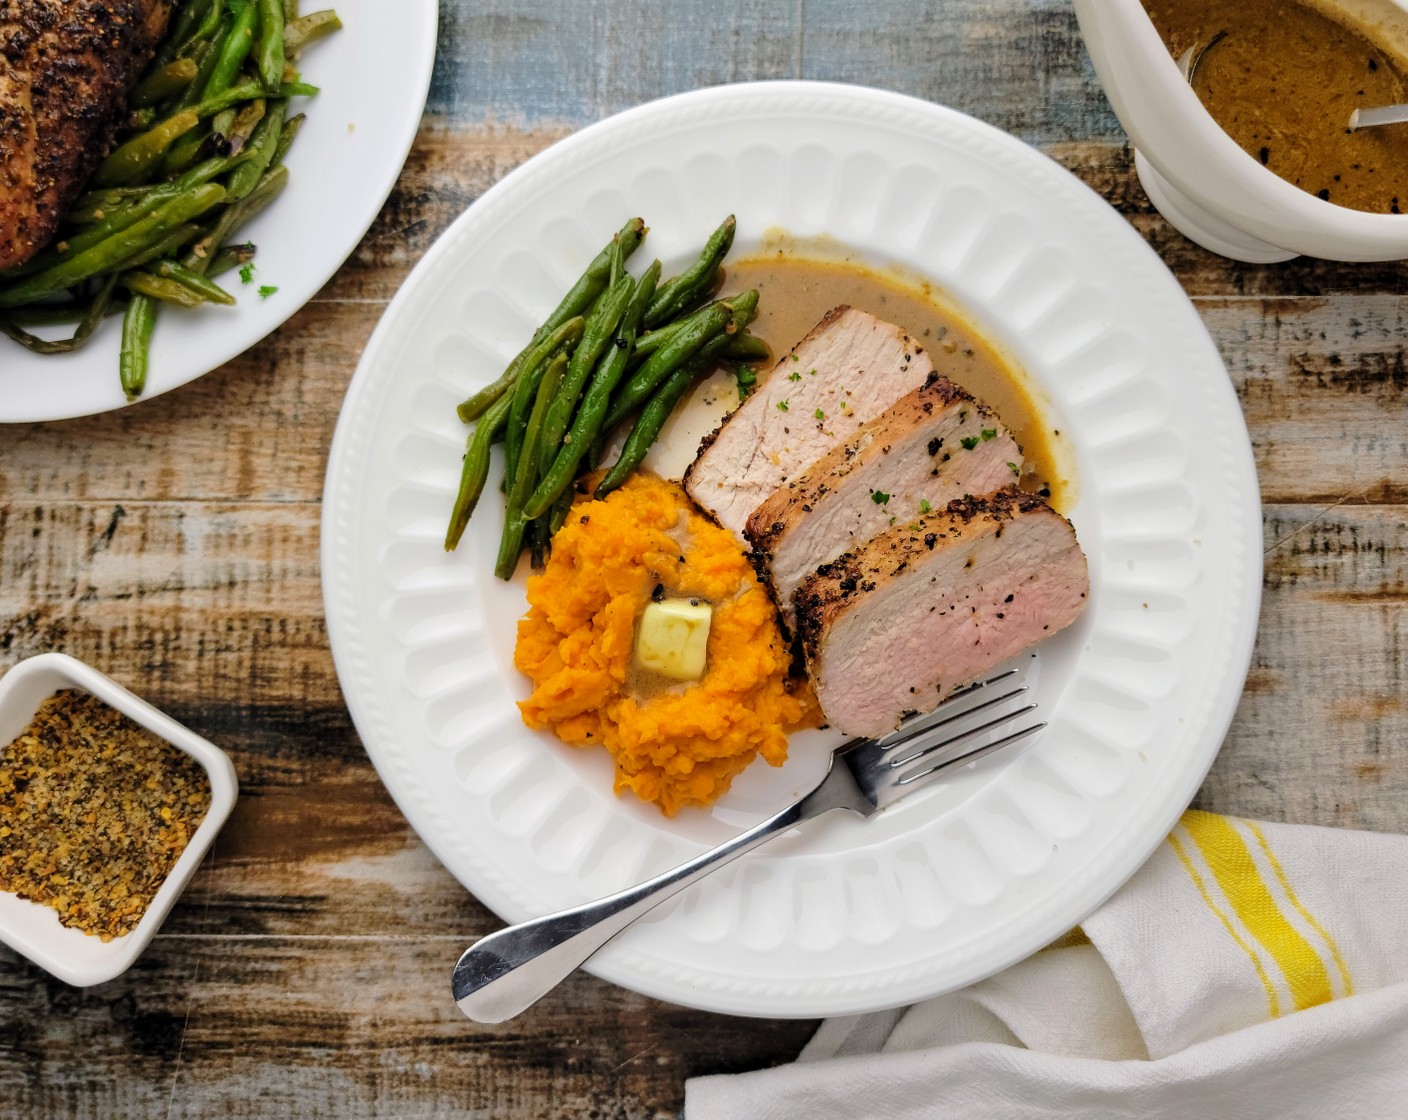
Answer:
(34, 929)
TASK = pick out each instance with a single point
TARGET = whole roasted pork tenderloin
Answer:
(897, 624)
(931, 446)
(849, 369)
(66, 67)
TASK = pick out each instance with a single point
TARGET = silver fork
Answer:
(508, 971)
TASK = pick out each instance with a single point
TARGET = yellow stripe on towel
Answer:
(1275, 863)
(1230, 860)
(1273, 1001)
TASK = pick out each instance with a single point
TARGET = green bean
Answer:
(300, 33)
(744, 347)
(209, 26)
(675, 296)
(238, 133)
(600, 332)
(154, 287)
(228, 257)
(582, 295)
(47, 314)
(290, 10)
(137, 157)
(236, 215)
(238, 43)
(118, 216)
(564, 338)
(475, 469)
(183, 26)
(289, 131)
(166, 82)
(703, 325)
(173, 242)
(648, 424)
(135, 353)
(248, 91)
(118, 248)
(538, 532)
(586, 425)
(260, 150)
(651, 341)
(511, 543)
(92, 206)
(206, 289)
(207, 55)
(558, 514)
(269, 52)
(524, 393)
(94, 314)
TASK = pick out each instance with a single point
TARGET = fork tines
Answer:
(946, 737)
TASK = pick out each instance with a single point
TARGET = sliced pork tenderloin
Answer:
(849, 369)
(931, 446)
(898, 624)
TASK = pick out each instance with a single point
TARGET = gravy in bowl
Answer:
(1282, 79)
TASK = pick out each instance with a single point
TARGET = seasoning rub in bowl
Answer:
(107, 807)
(95, 810)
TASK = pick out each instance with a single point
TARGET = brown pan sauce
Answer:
(799, 282)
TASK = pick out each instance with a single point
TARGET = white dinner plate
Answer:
(374, 75)
(955, 883)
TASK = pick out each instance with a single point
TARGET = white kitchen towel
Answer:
(1247, 971)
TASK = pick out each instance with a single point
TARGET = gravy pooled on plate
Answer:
(799, 283)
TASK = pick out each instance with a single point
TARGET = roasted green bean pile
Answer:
(209, 131)
(616, 348)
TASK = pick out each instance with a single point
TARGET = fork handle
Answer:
(508, 971)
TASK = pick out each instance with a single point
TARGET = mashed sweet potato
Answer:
(674, 746)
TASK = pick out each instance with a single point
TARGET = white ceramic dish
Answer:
(33, 929)
(341, 169)
(950, 885)
(1201, 181)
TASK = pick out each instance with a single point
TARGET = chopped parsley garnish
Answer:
(988, 434)
(782, 405)
(969, 442)
(795, 358)
(794, 376)
(1016, 469)
(879, 497)
(247, 273)
(924, 506)
(820, 415)
(266, 290)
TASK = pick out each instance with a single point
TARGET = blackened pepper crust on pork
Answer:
(933, 445)
(899, 623)
(66, 67)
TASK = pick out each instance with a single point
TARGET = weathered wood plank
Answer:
(1321, 735)
(257, 429)
(347, 1026)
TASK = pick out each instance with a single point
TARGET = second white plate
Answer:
(952, 885)
(341, 168)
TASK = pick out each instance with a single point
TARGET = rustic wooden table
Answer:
(175, 545)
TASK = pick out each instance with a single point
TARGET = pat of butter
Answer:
(673, 638)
